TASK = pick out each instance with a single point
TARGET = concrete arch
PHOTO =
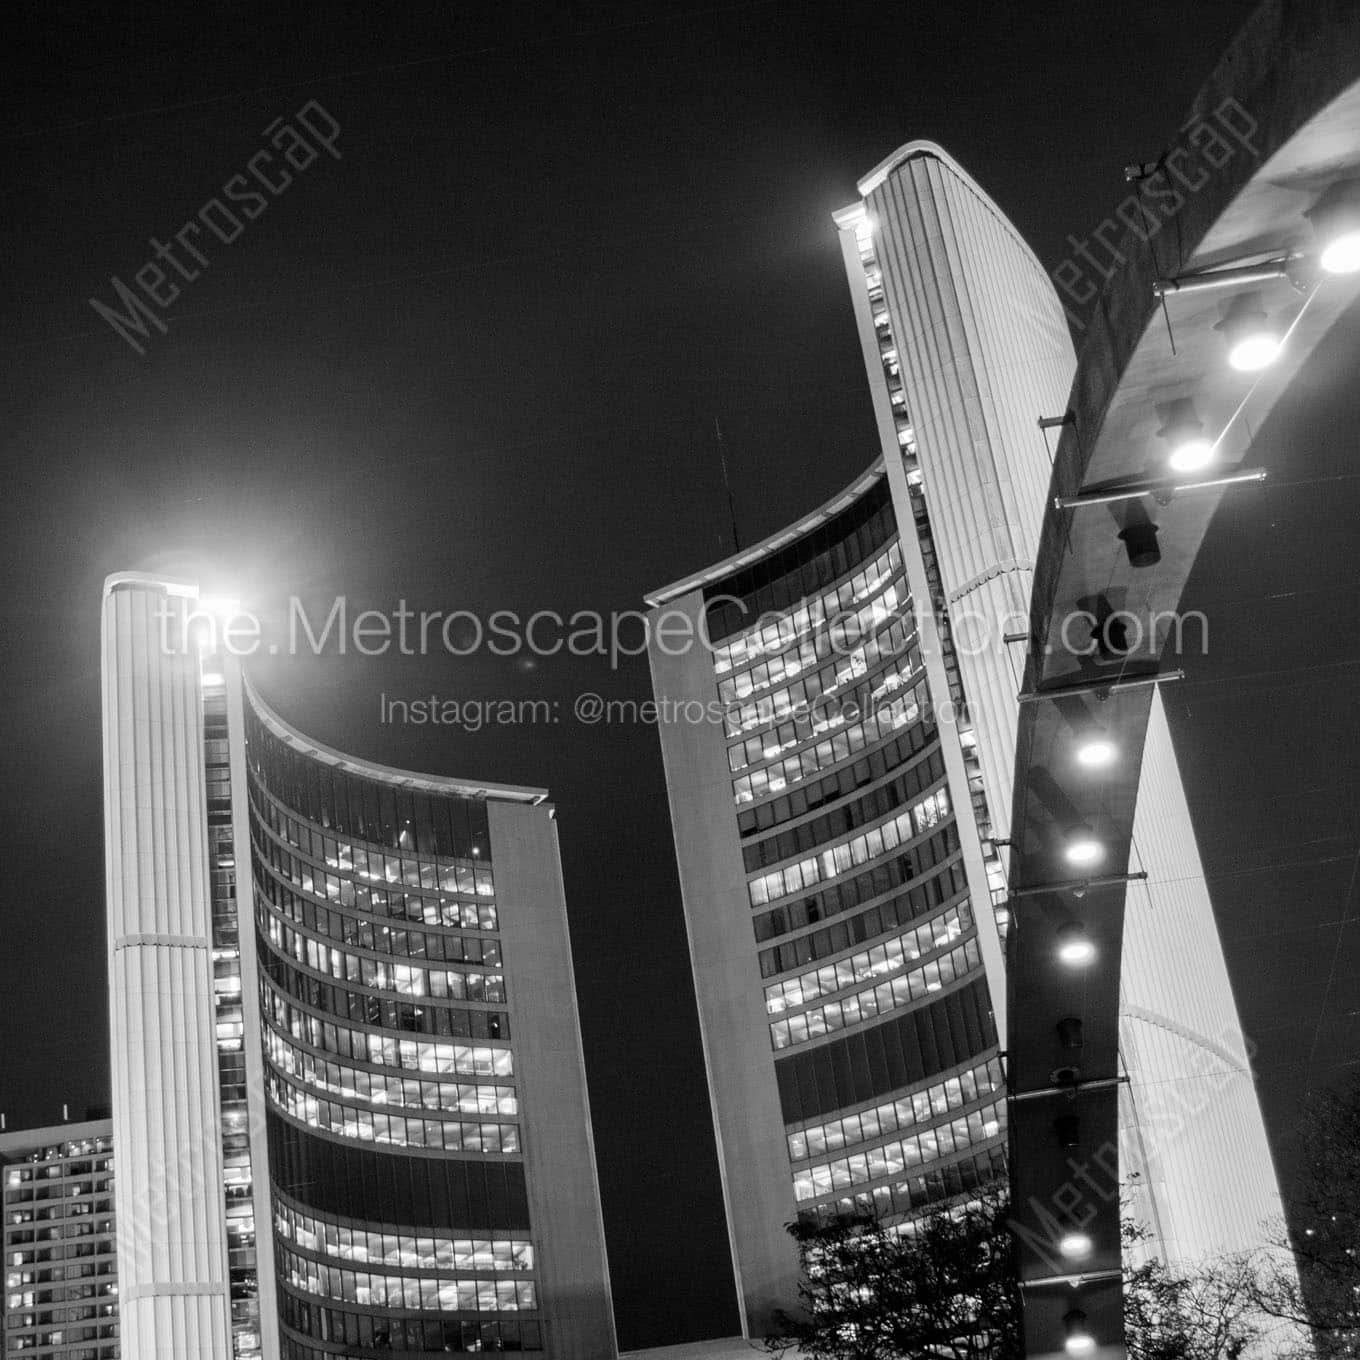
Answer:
(1288, 90)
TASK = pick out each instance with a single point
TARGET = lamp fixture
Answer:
(1074, 945)
(1140, 542)
(1183, 430)
(1254, 341)
(1336, 224)
(1082, 847)
(1078, 1340)
(1075, 1245)
(1095, 750)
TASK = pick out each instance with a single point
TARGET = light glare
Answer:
(1074, 1245)
(1342, 254)
(1074, 947)
(1192, 454)
(1084, 849)
(1096, 752)
(1255, 352)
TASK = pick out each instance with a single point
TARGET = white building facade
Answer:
(349, 1096)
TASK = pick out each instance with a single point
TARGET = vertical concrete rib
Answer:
(984, 351)
(172, 1262)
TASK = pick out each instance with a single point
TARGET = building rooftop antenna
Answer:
(727, 485)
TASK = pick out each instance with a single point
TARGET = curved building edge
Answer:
(384, 1051)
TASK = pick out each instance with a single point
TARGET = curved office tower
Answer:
(845, 954)
(349, 1098)
(864, 670)
(966, 348)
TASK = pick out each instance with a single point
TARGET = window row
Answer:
(419, 1251)
(950, 882)
(371, 1290)
(895, 642)
(349, 892)
(915, 1195)
(874, 882)
(64, 1225)
(68, 1337)
(827, 714)
(903, 709)
(404, 978)
(810, 718)
(54, 1160)
(382, 938)
(45, 1190)
(66, 1293)
(381, 1012)
(83, 1269)
(377, 1088)
(841, 821)
(840, 641)
(869, 768)
(892, 1159)
(364, 808)
(805, 688)
(324, 849)
(918, 1107)
(384, 1050)
(342, 1331)
(365, 1125)
(914, 821)
(887, 996)
(889, 957)
(767, 631)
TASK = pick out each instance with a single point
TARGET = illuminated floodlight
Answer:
(1095, 750)
(1254, 341)
(1074, 945)
(1075, 1246)
(1183, 431)
(1082, 848)
(1336, 224)
(1079, 1340)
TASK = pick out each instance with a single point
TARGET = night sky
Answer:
(475, 363)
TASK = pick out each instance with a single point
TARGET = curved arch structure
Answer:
(349, 1095)
(966, 347)
(1292, 75)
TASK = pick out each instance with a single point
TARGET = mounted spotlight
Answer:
(1183, 430)
(1074, 945)
(1082, 849)
(1079, 1340)
(1075, 1245)
(1095, 750)
(1140, 542)
(1253, 340)
(1336, 224)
